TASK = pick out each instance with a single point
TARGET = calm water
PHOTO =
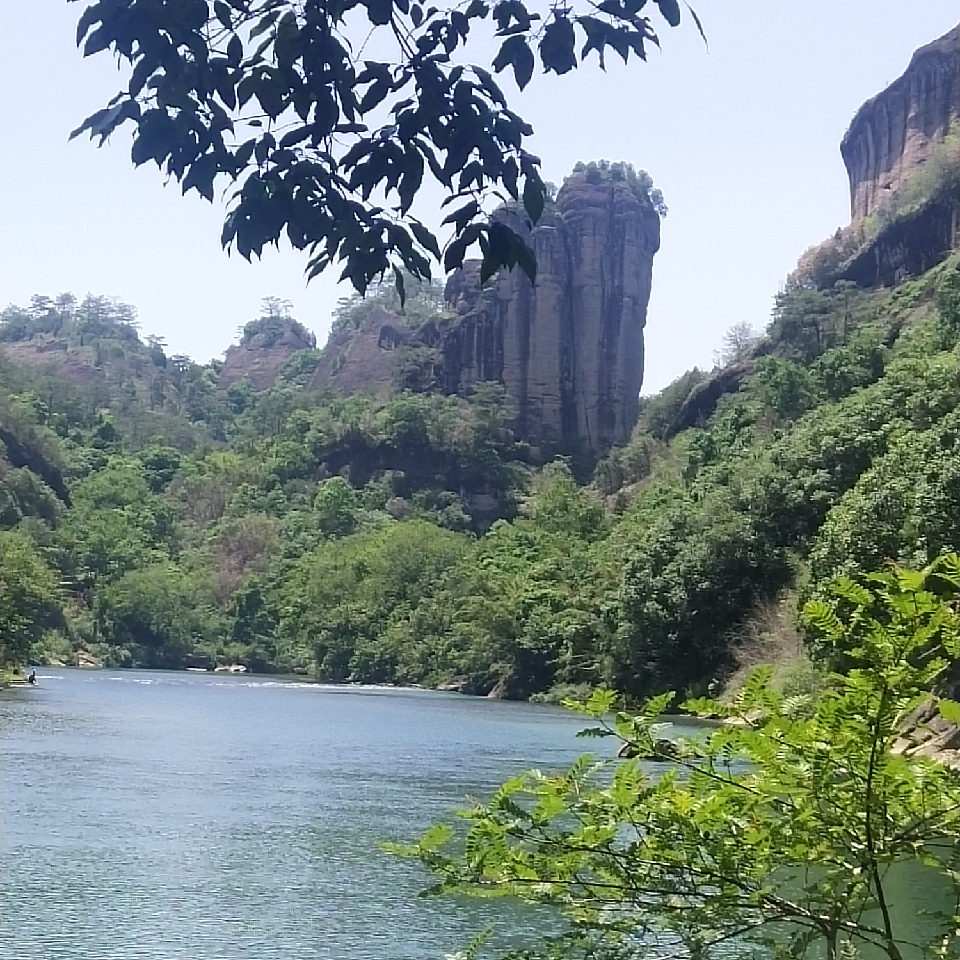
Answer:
(159, 816)
(177, 815)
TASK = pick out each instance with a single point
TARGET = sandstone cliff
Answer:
(366, 358)
(916, 203)
(265, 347)
(894, 133)
(568, 350)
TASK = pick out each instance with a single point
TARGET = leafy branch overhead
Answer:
(328, 144)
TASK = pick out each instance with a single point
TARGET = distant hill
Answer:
(369, 512)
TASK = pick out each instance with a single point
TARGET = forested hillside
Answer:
(151, 517)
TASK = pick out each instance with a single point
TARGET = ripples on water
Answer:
(153, 816)
(159, 816)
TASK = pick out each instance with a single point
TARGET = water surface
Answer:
(153, 815)
(160, 816)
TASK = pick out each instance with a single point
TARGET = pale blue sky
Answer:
(742, 138)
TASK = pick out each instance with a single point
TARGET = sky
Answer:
(741, 135)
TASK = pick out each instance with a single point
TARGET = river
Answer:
(160, 816)
(152, 816)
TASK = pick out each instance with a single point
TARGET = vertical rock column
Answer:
(570, 347)
(612, 238)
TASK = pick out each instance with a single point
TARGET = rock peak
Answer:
(568, 349)
(895, 132)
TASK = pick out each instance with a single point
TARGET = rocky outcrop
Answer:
(909, 245)
(367, 358)
(260, 355)
(56, 356)
(895, 132)
(702, 400)
(568, 349)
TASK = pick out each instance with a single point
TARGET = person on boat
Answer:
(33, 677)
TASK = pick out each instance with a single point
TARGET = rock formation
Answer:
(363, 359)
(910, 245)
(568, 350)
(893, 133)
(264, 348)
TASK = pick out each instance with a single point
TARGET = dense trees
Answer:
(777, 835)
(30, 600)
(408, 540)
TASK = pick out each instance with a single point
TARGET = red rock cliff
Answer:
(895, 131)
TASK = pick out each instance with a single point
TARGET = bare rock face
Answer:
(895, 132)
(364, 359)
(569, 349)
(260, 355)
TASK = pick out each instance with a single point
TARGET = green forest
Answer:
(151, 518)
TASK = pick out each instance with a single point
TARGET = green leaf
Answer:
(598, 704)
(223, 14)
(556, 47)
(425, 238)
(461, 216)
(264, 24)
(949, 710)
(526, 259)
(379, 12)
(515, 52)
(400, 286)
(595, 732)
(435, 837)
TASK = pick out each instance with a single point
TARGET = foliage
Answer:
(268, 329)
(777, 831)
(295, 372)
(30, 600)
(116, 524)
(337, 599)
(423, 300)
(331, 151)
(738, 343)
(639, 181)
(948, 306)
(658, 413)
(151, 614)
(270, 520)
(524, 608)
(901, 508)
(786, 388)
(698, 565)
